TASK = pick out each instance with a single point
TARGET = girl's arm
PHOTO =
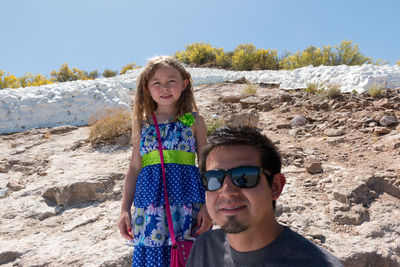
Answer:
(135, 165)
(204, 222)
(200, 133)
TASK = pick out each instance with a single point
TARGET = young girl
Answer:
(165, 89)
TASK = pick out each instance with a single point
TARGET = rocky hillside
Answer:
(60, 197)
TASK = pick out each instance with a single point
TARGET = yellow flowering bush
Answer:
(197, 53)
(344, 53)
(130, 66)
(244, 57)
(8, 81)
(266, 59)
(222, 58)
(33, 80)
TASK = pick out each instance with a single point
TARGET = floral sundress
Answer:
(152, 243)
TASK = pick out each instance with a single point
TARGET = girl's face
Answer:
(167, 85)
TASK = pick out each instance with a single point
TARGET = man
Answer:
(241, 171)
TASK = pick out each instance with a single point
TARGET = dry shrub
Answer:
(333, 91)
(375, 90)
(313, 88)
(249, 89)
(213, 124)
(108, 124)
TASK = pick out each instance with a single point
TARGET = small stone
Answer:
(15, 185)
(283, 126)
(4, 192)
(396, 145)
(122, 140)
(230, 98)
(298, 121)
(9, 256)
(381, 130)
(324, 106)
(4, 168)
(313, 165)
(285, 98)
(266, 106)
(334, 132)
(294, 132)
(253, 111)
(384, 103)
(388, 121)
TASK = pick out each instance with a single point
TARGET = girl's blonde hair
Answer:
(145, 106)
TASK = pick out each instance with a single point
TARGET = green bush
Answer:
(197, 53)
(381, 62)
(130, 66)
(223, 59)
(79, 74)
(344, 53)
(182, 57)
(93, 74)
(244, 57)
(109, 73)
(266, 60)
(350, 55)
(65, 74)
(309, 56)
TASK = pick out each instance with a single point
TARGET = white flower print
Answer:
(157, 237)
(162, 223)
(187, 133)
(178, 217)
(152, 210)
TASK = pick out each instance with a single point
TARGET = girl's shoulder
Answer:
(191, 119)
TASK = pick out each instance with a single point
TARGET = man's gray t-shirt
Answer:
(289, 249)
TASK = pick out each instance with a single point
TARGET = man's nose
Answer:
(228, 188)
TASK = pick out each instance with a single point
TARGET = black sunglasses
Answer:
(242, 177)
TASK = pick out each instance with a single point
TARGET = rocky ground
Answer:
(60, 196)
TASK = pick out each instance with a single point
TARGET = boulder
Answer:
(96, 189)
(244, 119)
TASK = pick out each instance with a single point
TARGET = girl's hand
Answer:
(124, 225)
(204, 220)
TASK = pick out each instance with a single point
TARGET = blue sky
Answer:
(38, 36)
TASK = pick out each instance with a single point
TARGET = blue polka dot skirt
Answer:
(151, 242)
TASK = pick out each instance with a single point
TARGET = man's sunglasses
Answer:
(242, 177)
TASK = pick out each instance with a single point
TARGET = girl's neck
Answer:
(165, 113)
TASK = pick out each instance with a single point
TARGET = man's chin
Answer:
(233, 226)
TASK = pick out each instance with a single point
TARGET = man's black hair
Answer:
(231, 135)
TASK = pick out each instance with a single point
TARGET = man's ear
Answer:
(278, 183)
